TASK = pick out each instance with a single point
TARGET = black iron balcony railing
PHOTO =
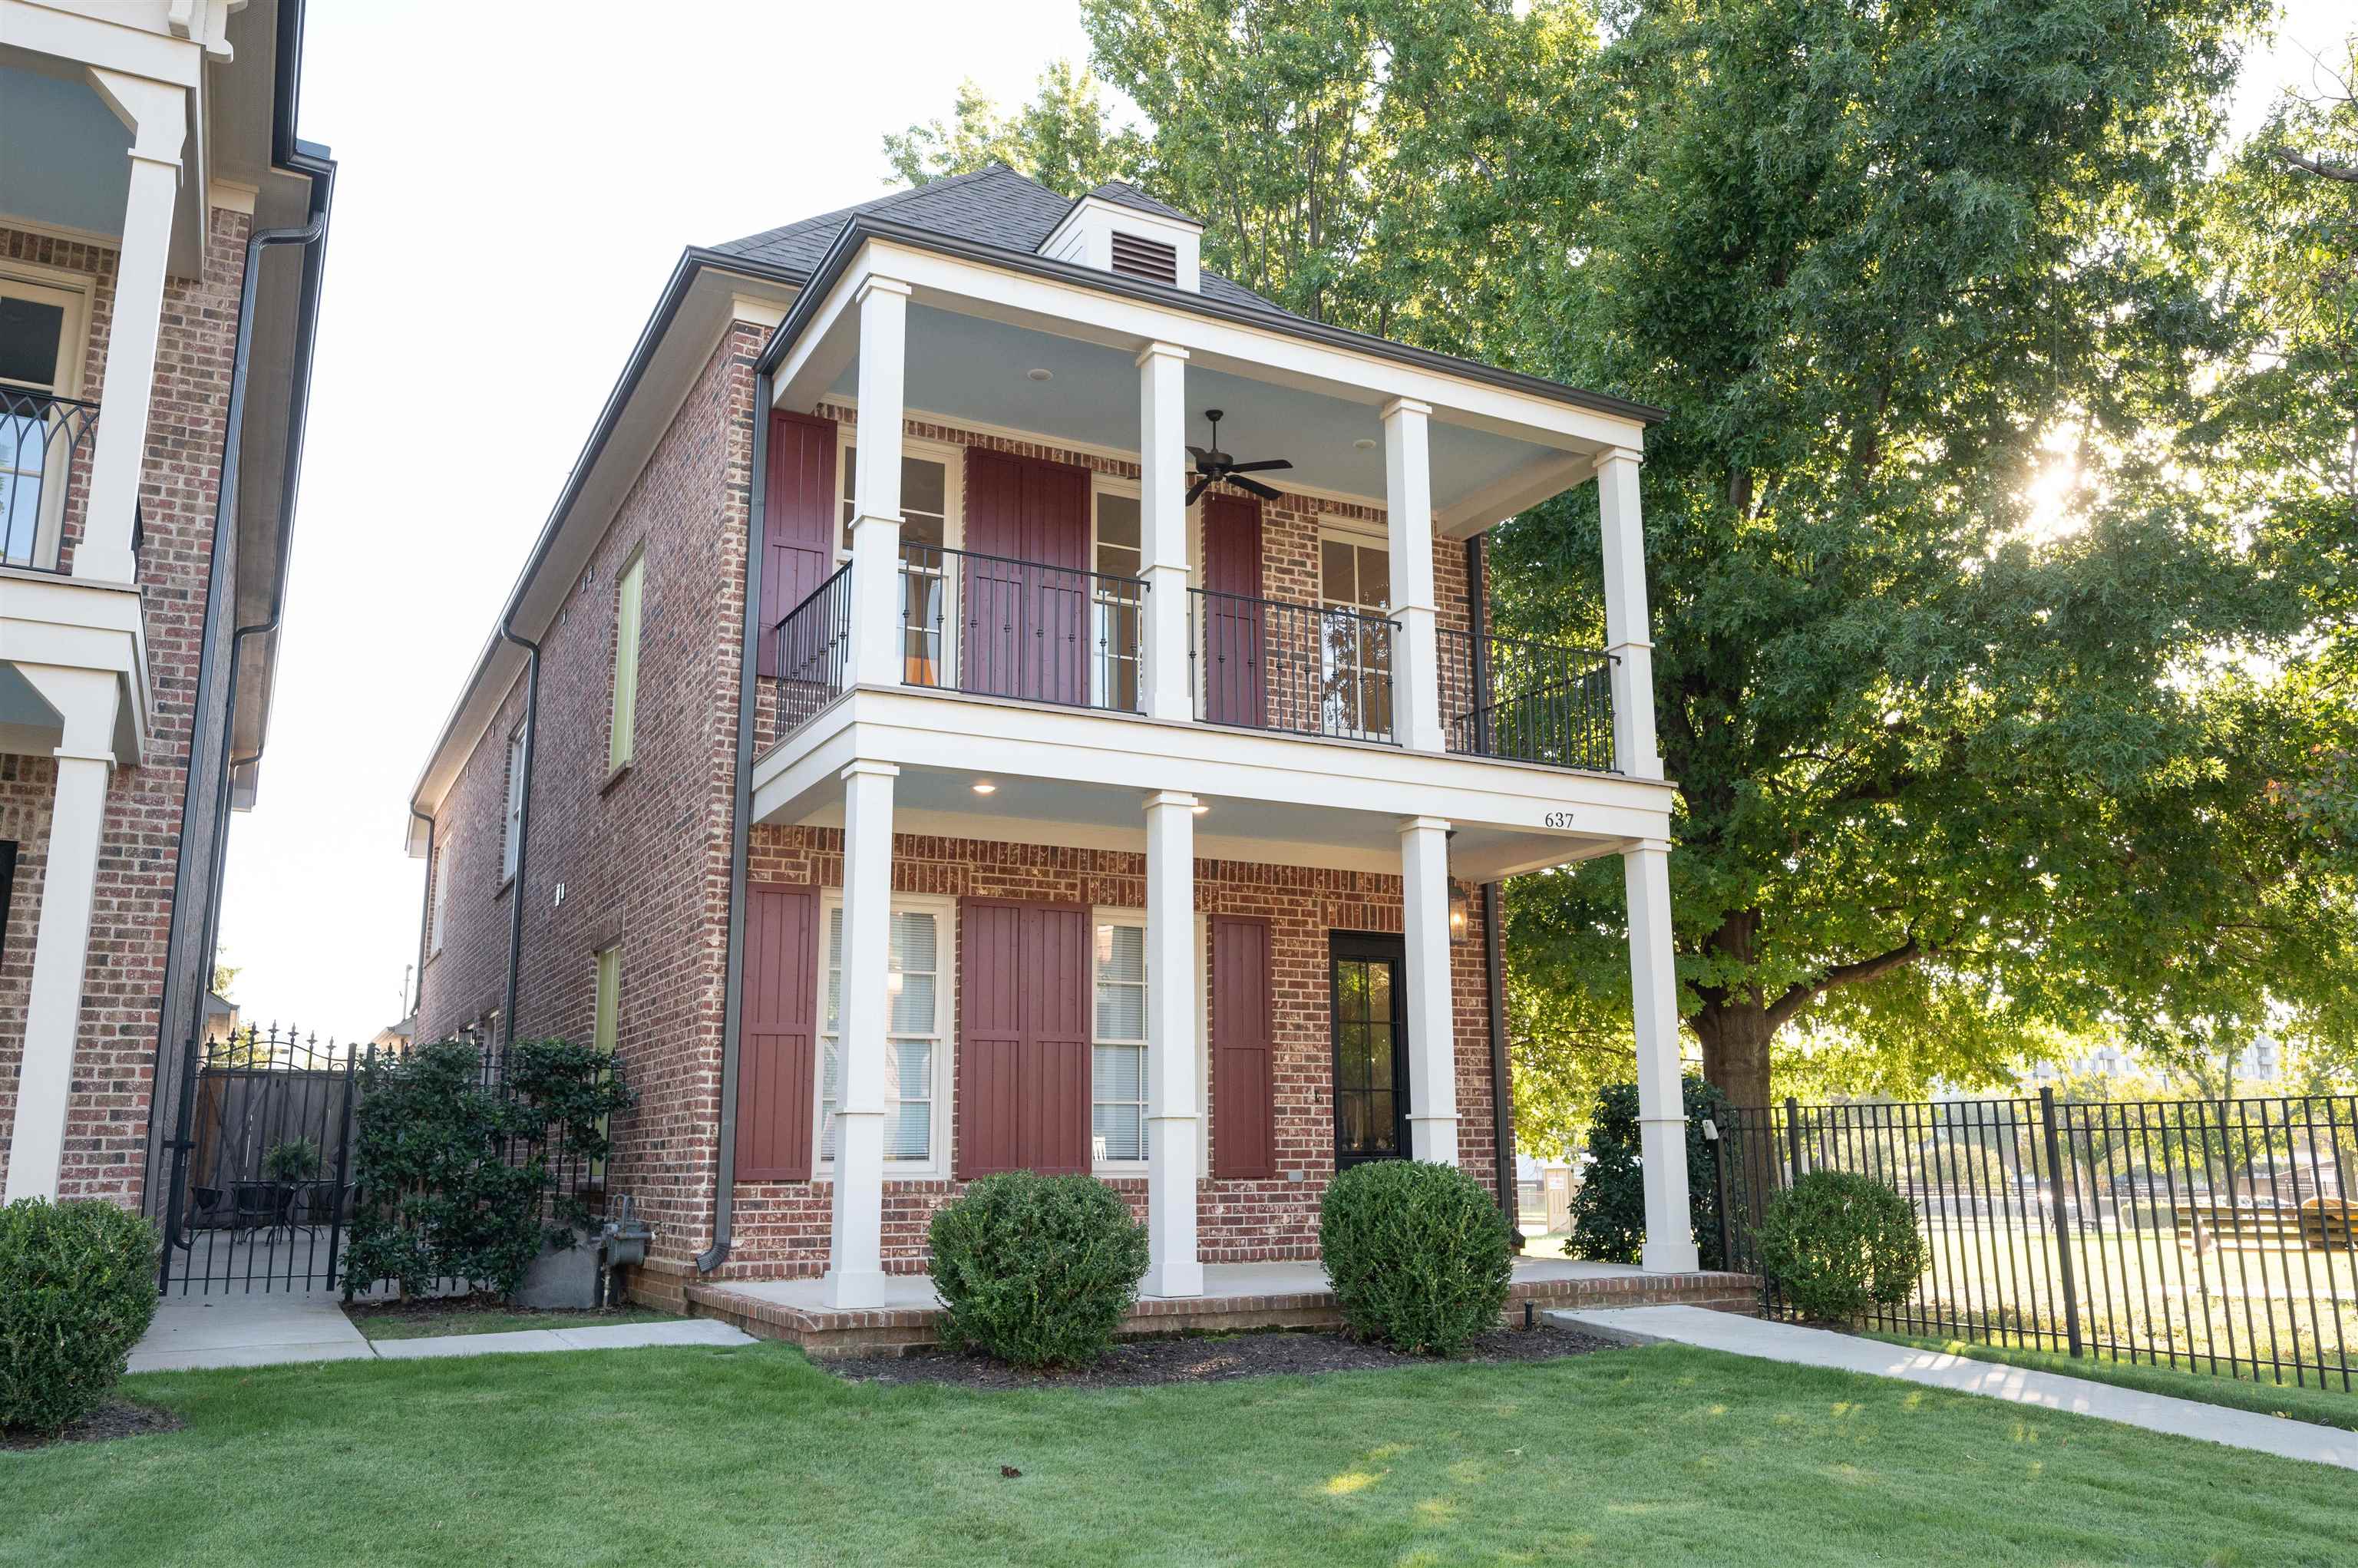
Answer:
(1000, 627)
(1530, 701)
(813, 652)
(45, 449)
(1301, 668)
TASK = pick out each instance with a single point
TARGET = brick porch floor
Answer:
(1237, 1296)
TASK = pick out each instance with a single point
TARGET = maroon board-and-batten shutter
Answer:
(1023, 599)
(1024, 1038)
(775, 1102)
(1244, 1081)
(1235, 685)
(798, 521)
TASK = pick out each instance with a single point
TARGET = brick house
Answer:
(1065, 781)
(161, 236)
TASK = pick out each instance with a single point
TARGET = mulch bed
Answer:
(1140, 1363)
(116, 1418)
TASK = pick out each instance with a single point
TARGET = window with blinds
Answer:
(913, 1034)
(1118, 1071)
(1154, 260)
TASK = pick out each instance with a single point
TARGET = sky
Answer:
(512, 194)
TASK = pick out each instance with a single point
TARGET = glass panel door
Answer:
(1371, 1030)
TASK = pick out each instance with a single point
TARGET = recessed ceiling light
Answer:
(1201, 809)
(1366, 443)
(1040, 372)
(984, 786)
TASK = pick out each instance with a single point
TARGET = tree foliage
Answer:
(2000, 537)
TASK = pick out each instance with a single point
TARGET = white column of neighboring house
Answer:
(876, 633)
(1431, 1041)
(1162, 526)
(156, 114)
(855, 1269)
(1646, 874)
(86, 700)
(1173, 1061)
(1408, 508)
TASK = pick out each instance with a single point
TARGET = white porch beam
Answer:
(876, 633)
(1432, 1039)
(1408, 511)
(1174, 1055)
(1661, 1101)
(1162, 526)
(156, 112)
(85, 700)
(1628, 636)
(1519, 490)
(855, 1262)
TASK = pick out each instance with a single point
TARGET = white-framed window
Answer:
(512, 827)
(44, 322)
(629, 603)
(1118, 1083)
(1355, 580)
(441, 921)
(917, 1034)
(1116, 554)
(931, 485)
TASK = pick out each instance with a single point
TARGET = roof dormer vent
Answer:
(1119, 228)
(1157, 261)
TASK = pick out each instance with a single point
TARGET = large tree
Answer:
(1991, 711)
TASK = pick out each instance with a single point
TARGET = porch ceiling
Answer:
(1080, 815)
(974, 368)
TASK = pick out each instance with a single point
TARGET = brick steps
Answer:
(900, 1330)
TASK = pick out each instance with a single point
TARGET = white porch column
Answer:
(1432, 1011)
(156, 115)
(1174, 1060)
(1162, 526)
(855, 1263)
(1661, 1103)
(1408, 510)
(876, 593)
(1628, 635)
(85, 755)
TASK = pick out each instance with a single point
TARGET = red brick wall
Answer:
(139, 859)
(643, 862)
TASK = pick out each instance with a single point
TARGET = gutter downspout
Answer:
(749, 688)
(217, 604)
(1494, 969)
(424, 909)
(524, 817)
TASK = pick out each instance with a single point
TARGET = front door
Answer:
(1370, 1046)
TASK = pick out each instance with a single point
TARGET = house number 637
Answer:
(1557, 819)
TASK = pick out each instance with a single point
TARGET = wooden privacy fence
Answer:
(2213, 1235)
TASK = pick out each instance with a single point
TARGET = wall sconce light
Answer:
(1461, 913)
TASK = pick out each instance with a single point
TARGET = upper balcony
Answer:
(46, 442)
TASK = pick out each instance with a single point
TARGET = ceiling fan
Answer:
(1213, 465)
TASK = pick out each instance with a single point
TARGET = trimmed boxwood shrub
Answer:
(1836, 1245)
(1036, 1270)
(1608, 1211)
(1418, 1255)
(77, 1290)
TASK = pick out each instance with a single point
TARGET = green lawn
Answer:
(495, 1320)
(2327, 1407)
(752, 1455)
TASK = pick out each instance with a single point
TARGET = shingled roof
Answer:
(994, 206)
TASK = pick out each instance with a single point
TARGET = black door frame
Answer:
(1393, 948)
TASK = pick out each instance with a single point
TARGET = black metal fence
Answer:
(260, 1173)
(1532, 701)
(45, 447)
(2210, 1235)
(1002, 627)
(1304, 669)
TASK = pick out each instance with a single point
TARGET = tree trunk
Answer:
(1735, 1036)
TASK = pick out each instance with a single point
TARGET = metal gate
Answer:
(261, 1164)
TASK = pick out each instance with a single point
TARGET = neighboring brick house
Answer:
(1091, 800)
(145, 151)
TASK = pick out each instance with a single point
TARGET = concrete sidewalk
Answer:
(1849, 1353)
(192, 1332)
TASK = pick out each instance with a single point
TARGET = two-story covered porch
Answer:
(1018, 588)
